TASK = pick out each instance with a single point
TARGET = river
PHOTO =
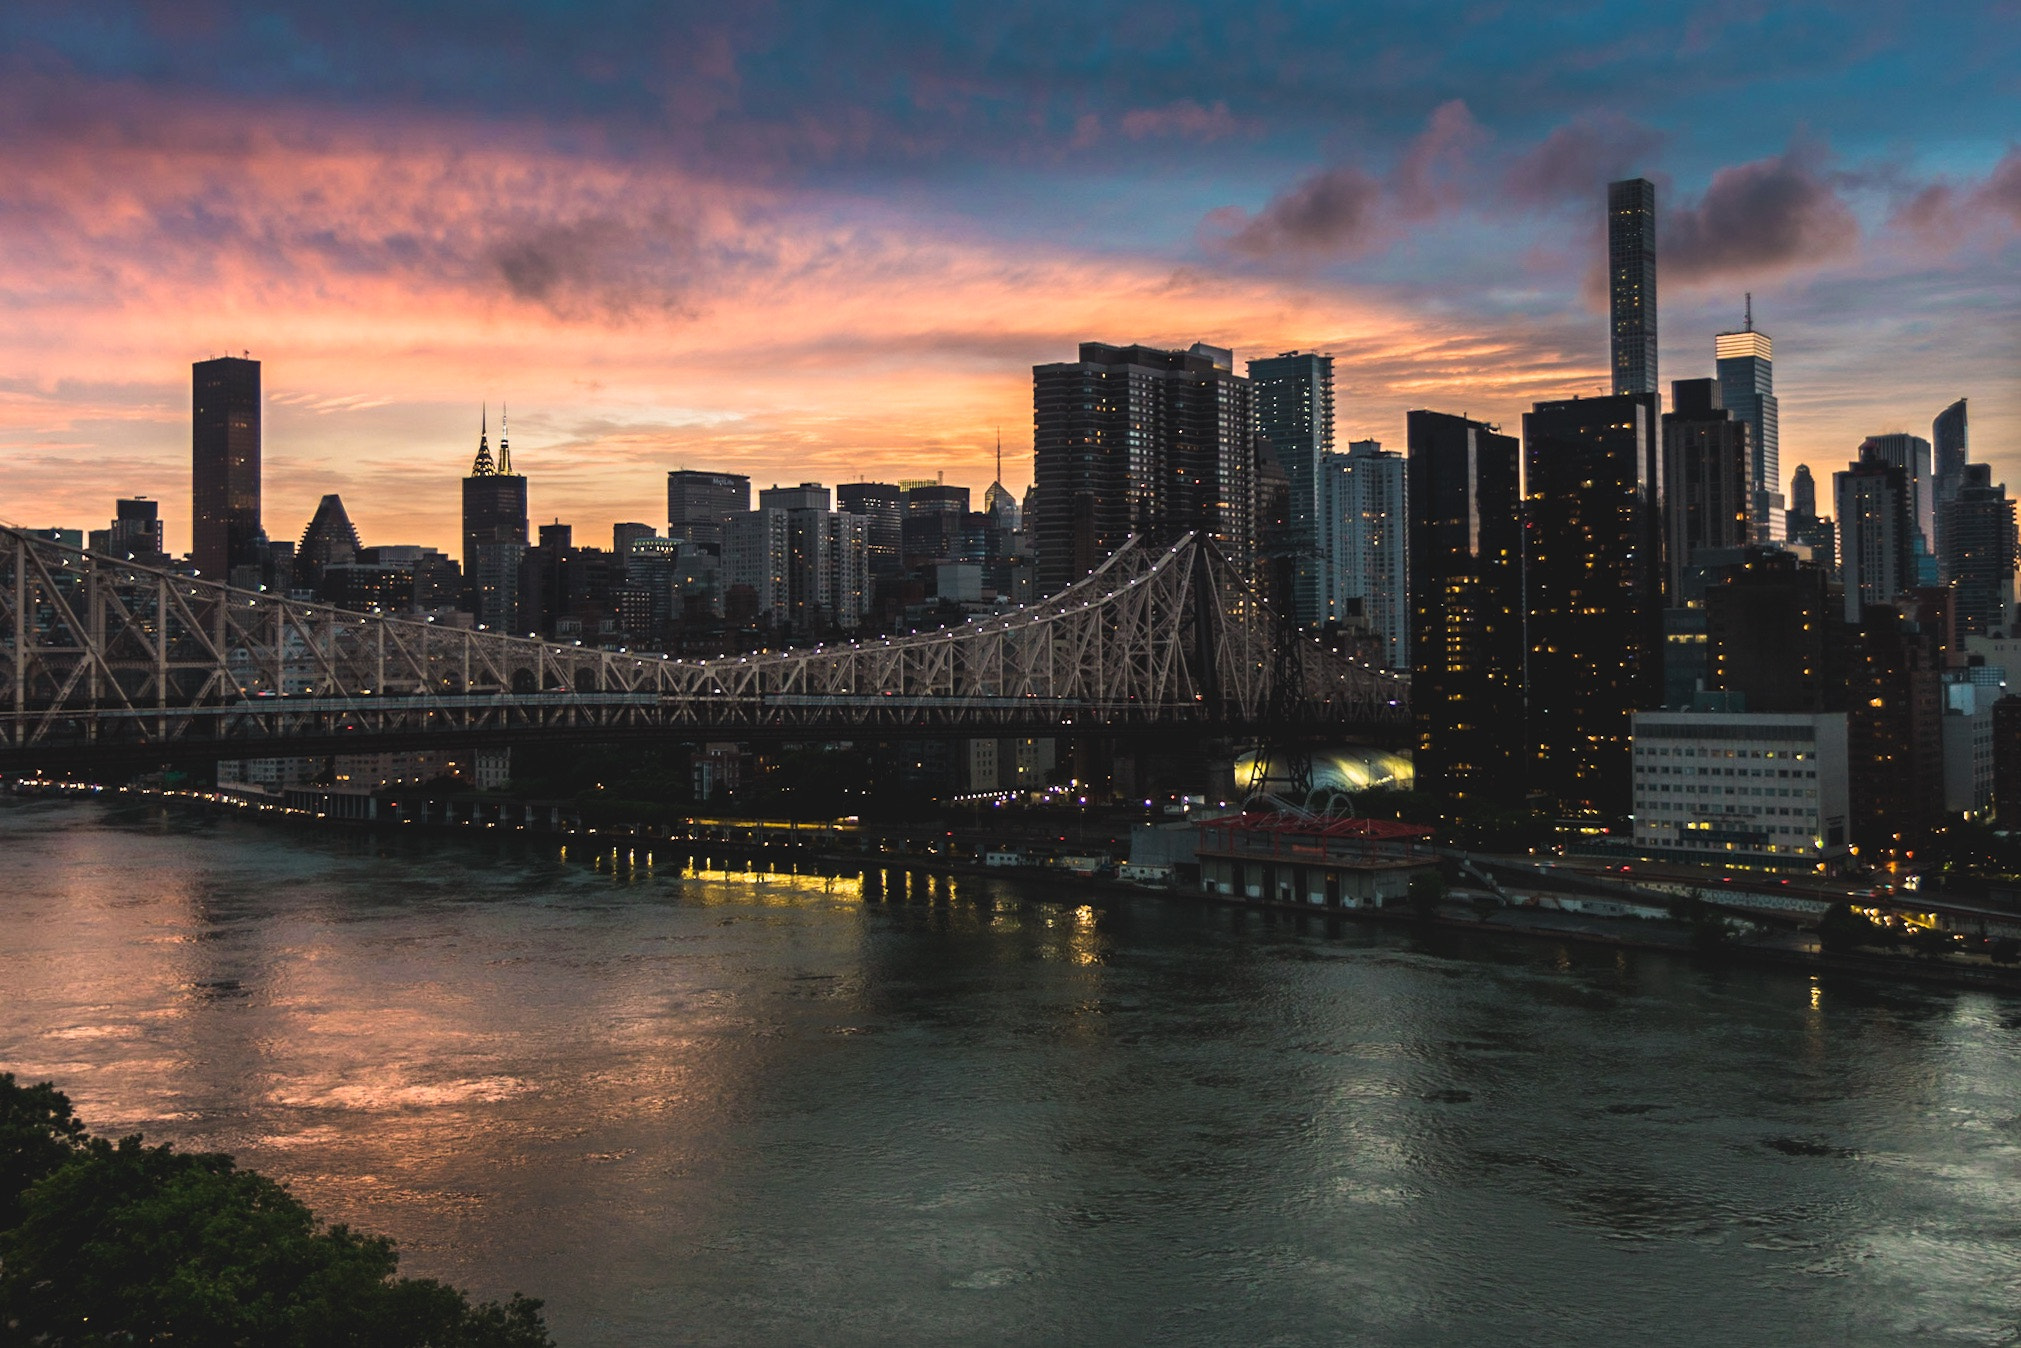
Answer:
(706, 1109)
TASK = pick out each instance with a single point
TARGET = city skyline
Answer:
(698, 267)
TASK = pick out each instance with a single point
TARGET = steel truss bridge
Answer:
(105, 662)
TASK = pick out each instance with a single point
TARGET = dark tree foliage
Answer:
(115, 1243)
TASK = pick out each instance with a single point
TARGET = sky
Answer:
(819, 241)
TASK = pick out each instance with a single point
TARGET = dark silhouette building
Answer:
(1950, 447)
(880, 505)
(698, 504)
(329, 540)
(1594, 584)
(1806, 527)
(1707, 483)
(1466, 610)
(1294, 416)
(1876, 534)
(1775, 634)
(225, 466)
(1894, 731)
(135, 532)
(1631, 284)
(494, 529)
(1135, 439)
(1978, 528)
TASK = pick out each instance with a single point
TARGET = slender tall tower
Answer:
(1631, 283)
(1294, 412)
(1950, 448)
(1746, 363)
(225, 465)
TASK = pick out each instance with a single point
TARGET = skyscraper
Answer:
(1978, 528)
(1593, 593)
(1361, 529)
(698, 503)
(1950, 447)
(1876, 534)
(494, 517)
(880, 506)
(1631, 283)
(1706, 479)
(1135, 439)
(1294, 415)
(329, 540)
(225, 466)
(1466, 620)
(1806, 527)
(1911, 454)
(1746, 364)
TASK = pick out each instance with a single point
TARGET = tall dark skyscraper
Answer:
(1466, 610)
(698, 503)
(1978, 528)
(1746, 364)
(225, 464)
(1294, 414)
(1911, 454)
(1877, 534)
(880, 505)
(1631, 283)
(494, 518)
(1803, 491)
(1706, 483)
(1135, 439)
(1950, 447)
(1594, 586)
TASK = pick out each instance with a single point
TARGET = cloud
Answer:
(1771, 215)
(1183, 118)
(1574, 162)
(1345, 211)
(1333, 213)
(1945, 214)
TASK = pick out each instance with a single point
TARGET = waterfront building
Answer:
(1302, 862)
(1293, 396)
(1465, 584)
(494, 515)
(1362, 524)
(1968, 746)
(1894, 707)
(1135, 439)
(225, 467)
(1977, 525)
(1742, 787)
(1746, 367)
(1876, 534)
(1707, 491)
(1593, 585)
(1631, 284)
(699, 504)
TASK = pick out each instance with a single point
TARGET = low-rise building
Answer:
(1308, 862)
(1756, 788)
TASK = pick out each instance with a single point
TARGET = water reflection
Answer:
(689, 1102)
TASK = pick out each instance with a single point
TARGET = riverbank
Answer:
(898, 867)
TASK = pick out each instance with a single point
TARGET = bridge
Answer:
(104, 662)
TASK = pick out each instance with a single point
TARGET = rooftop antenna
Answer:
(1750, 311)
(999, 456)
(504, 451)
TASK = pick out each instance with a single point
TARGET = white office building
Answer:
(1758, 788)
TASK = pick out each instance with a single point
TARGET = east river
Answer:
(695, 1109)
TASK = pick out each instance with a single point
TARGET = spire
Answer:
(483, 467)
(504, 451)
(1750, 311)
(999, 454)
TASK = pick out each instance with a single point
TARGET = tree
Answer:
(122, 1242)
